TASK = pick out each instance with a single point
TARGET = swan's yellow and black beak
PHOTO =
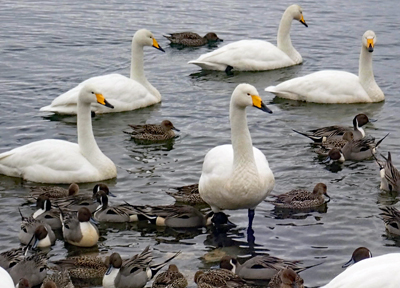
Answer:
(302, 21)
(370, 45)
(155, 45)
(101, 100)
(257, 102)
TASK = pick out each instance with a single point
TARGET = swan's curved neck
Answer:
(137, 69)
(242, 145)
(366, 76)
(283, 42)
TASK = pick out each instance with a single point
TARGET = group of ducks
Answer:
(235, 176)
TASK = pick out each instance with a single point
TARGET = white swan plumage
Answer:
(58, 161)
(375, 272)
(332, 86)
(5, 279)
(237, 176)
(124, 93)
(257, 55)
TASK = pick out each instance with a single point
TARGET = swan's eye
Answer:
(92, 92)
(248, 94)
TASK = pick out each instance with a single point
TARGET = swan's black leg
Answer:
(228, 70)
(250, 232)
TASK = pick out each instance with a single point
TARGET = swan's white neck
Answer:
(137, 70)
(366, 76)
(283, 42)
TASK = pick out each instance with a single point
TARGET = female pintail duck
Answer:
(119, 213)
(155, 132)
(124, 93)
(262, 267)
(373, 272)
(330, 86)
(357, 150)
(37, 231)
(78, 228)
(218, 278)
(359, 254)
(132, 273)
(83, 267)
(301, 198)
(54, 192)
(257, 55)
(237, 176)
(76, 162)
(61, 279)
(49, 284)
(192, 39)
(286, 278)
(188, 195)
(33, 268)
(11, 257)
(391, 217)
(23, 283)
(6, 280)
(45, 212)
(170, 278)
(320, 135)
(390, 176)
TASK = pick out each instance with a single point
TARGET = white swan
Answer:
(123, 93)
(257, 55)
(375, 272)
(330, 86)
(237, 176)
(58, 161)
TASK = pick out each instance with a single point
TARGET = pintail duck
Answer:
(390, 176)
(192, 39)
(61, 279)
(120, 213)
(37, 231)
(218, 278)
(155, 132)
(45, 212)
(391, 217)
(301, 198)
(79, 228)
(262, 267)
(32, 268)
(188, 195)
(359, 254)
(132, 273)
(170, 278)
(54, 192)
(286, 278)
(23, 283)
(11, 257)
(83, 267)
(320, 135)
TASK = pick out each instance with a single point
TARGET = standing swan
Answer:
(237, 176)
(330, 86)
(257, 55)
(58, 161)
(124, 93)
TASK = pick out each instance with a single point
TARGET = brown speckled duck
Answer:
(170, 278)
(153, 132)
(192, 39)
(286, 278)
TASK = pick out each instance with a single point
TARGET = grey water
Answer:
(48, 47)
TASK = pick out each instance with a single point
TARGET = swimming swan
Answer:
(124, 93)
(330, 86)
(257, 55)
(237, 176)
(58, 161)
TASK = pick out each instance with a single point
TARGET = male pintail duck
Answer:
(390, 176)
(237, 176)
(119, 213)
(37, 231)
(262, 267)
(170, 278)
(42, 237)
(33, 268)
(83, 267)
(188, 195)
(132, 273)
(61, 279)
(391, 217)
(79, 229)
(54, 192)
(301, 198)
(45, 212)
(286, 278)
(218, 278)
(155, 132)
(380, 271)
(192, 39)
(359, 254)
(320, 135)
(11, 257)
(23, 283)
